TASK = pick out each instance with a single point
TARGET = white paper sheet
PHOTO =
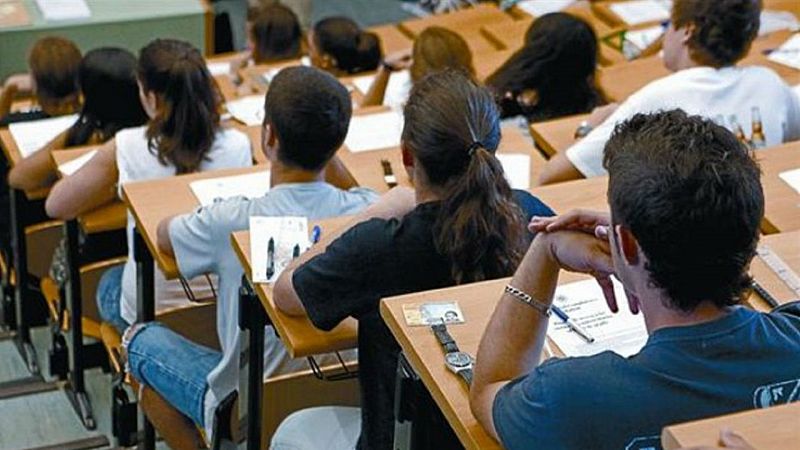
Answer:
(64, 9)
(792, 178)
(641, 39)
(70, 167)
(642, 11)
(622, 333)
(248, 110)
(397, 89)
(286, 234)
(538, 8)
(374, 131)
(788, 54)
(31, 136)
(517, 168)
(772, 21)
(219, 68)
(251, 185)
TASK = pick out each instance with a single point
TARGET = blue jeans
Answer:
(109, 298)
(173, 366)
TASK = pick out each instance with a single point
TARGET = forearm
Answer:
(163, 241)
(374, 97)
(37, 170)
(559, 169)
(512, 343)
(91, 186)
(337, 174)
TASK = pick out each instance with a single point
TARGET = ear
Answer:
(269, 142)
(627, 244)
(408, 159)
(686, 33)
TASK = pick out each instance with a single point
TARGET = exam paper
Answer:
(622, 333)
(792, 178)
(374, 131)
(517, 168)
(772, 21)
(286, 234)
(538, 8)
(63, 9)
(70, 167)
(33, 135)
(212, 190)
(787, 54)
(636, 12)
(248, 110)
(397, 89)
(637, 41)
(219, 68)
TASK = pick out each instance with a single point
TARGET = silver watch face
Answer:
(458, 359)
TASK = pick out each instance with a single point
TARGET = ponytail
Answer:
(183, 131)
(353, 50)
(368, 52)
(452, 128)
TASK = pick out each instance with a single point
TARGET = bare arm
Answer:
(37, 170)
(337, 174)
(91, 186)
(377, 90)
(395, 203)
(559, 169)
(163, 242)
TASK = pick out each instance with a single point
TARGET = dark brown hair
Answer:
(452, 128)
(353, 49)
(438, 48)
(723, 29)
(275, 32)
(54, 63)
(690, 193)
(183, 131)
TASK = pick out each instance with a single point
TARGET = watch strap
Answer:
(444, 338)
(466, 374)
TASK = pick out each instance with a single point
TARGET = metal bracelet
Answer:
(528, 300)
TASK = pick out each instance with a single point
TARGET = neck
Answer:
(425, 193)
(281, 174)
(658, 316)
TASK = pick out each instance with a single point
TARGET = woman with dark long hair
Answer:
(462, 223)
(553, 75)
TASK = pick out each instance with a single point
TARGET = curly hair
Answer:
(723, 29)
(691, 194)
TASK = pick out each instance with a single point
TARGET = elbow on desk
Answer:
(285, 296)
(56, 209)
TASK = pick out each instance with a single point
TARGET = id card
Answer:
(427, 314)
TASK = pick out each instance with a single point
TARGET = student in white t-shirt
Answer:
(702, 44)
(307, 113)
(183, 135)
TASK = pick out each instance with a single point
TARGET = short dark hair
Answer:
(723, 29)
(275, 32)
(691, 194)
(309, 111)
(354, 49)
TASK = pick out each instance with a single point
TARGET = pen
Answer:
(270, 258)
(388, 174)
(296, 251)
(771, 301)
(571, 324)
(316, 233)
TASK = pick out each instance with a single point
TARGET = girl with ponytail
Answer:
(460, 224)
(183, 135)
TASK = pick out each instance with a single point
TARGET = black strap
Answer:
(444, 338)
(466, 374)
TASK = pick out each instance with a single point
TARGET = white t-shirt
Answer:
(707, 92)
(135, 162)
(202, 245)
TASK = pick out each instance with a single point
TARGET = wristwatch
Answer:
(457, 361)
(583, 129)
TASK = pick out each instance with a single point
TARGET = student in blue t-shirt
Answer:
(306, 117)
(686, 204)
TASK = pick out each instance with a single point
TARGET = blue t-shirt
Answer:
(742, 361)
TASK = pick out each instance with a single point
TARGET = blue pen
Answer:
(571, 324)
(316, 233)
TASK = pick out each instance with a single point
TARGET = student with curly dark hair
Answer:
(703, 43)
(686, 204)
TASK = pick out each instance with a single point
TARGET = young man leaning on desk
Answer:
(307, 114)
(702, 44)
(686, 204)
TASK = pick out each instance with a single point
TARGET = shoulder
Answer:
(788, 314)
(231, 136)
(762, 74)
(530, 205)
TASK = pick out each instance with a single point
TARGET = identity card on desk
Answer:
(274, 243)
(374, 131)
(622, 332)
(211, 190)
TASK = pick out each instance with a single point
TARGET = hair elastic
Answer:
(474, 146)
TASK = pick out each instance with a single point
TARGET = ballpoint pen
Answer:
(316, 233)
(571, 324)
(388, 174)
(270, 258)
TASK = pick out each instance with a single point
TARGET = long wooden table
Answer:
(774, 428)
(466, 22)
(557, 135)
(782, 208)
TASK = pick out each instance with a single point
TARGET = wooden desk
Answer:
(392, 39)
(587, 193)
(487, 63)
(367, 170)
(782, 209)
(466, 22)
(554, 136)
(774, 428)
(603, 11)
(792, 6)
(252, 75)
(772, 41)
(154, 200)
(299, 335)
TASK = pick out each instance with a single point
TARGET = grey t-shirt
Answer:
(744, 360)
(202, 245)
